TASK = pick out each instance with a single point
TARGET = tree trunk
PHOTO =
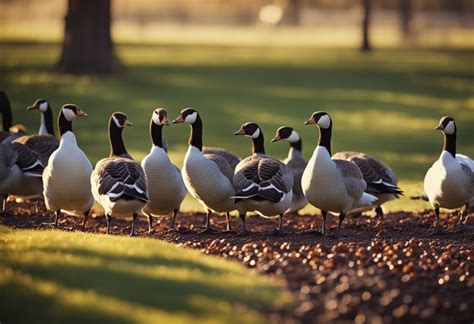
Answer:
(406, 15)
(293, 12)
(365, 26)
(87, 45)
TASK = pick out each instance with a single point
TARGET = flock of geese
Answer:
(347, 182)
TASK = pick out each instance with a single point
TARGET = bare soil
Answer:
(379, 271)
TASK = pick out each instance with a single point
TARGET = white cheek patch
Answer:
(191, 118)
(449, 129)
(43, 106)
(256, 133)
(293, 138)
(324, 121)
(156, 119)
(69, 114)
(117, 123)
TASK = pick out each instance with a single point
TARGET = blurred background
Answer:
(385, 70)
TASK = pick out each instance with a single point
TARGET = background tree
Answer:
(87, 45)
(366, 25)
(406, 15)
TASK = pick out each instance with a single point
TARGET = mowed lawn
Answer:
(385, 103)
(58, 277)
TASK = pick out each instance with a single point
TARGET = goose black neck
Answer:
(117, 147)
(450, 143)
(156, 134)
(325, 138)
(297, 145)
(195, 138)
(48, 120)
(258, 146)
(7, 117)
(64, 125)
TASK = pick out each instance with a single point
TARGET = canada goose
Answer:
(66, 177)
(9, 131)
(381, 180)
(118, 182)
(449, 183)
(261, 183)
(207, 177)
(332, 185)
(296, 162)
(165, 184)
(44, 143)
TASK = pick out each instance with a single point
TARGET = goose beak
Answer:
(81, 113)
(33, 107)
(276, 138)
(309, 122)
(165, 121)
(178, 120)
(241, 131)
(439, 127)
(128, 123)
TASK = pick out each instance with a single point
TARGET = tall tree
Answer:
(293, 12)
(406, 14)
(87, 45)
(366, 25)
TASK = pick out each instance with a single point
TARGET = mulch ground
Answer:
(377, 272)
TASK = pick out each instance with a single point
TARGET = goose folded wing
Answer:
(122, 179)
(44, 145)
(274, 173)
(297, 168)
(232, 159)
(28, 160)
(468, 172)
(351, 177)
(222, 164)
(246, 179)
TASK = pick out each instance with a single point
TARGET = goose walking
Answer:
(66, 177)
(165, 184)
(118, 182)
(449, 183)
(262, 184)
(381, 180)
(296, 162)
(330, 184)
(207, 177)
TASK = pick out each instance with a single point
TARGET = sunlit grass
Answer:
(385, 103)
(63, 276)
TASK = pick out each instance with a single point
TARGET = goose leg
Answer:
(132, 232)
(5, 212)
(342, 215)
(379, 212)
(173, 220)
(86, 216)
(150, 224)
(56, 218)
(438, 228)
(227, 218)
(208, 229)
(281, 231)
(109, 221)
(244, 227)
(325, 214)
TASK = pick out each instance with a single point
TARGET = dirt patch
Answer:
(378, 272)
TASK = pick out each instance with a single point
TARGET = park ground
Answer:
(385, 103)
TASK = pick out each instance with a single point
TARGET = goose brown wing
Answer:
(122, 178)
(276, 173)
(351, 177)
(467, 170)
(232, 159)
(223, 165)
(44, 145)
(297, 167)
(28, 160)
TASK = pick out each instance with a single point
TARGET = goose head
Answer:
(120, 120)
(321, 119)
(286, 133)
(71, 112)
(446, 125)
(40, 104)
(249, 129)
(160, 117)
(188, 116)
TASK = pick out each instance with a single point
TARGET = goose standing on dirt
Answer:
(44, 143)
(118, 182)
(66, 178)
(262, 184)
(207, 177)
(330, 184)
(449, 183)
(296, 162)
(381, 180)
(165, 184)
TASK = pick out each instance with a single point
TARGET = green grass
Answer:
(61, 277)
(385, 103)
